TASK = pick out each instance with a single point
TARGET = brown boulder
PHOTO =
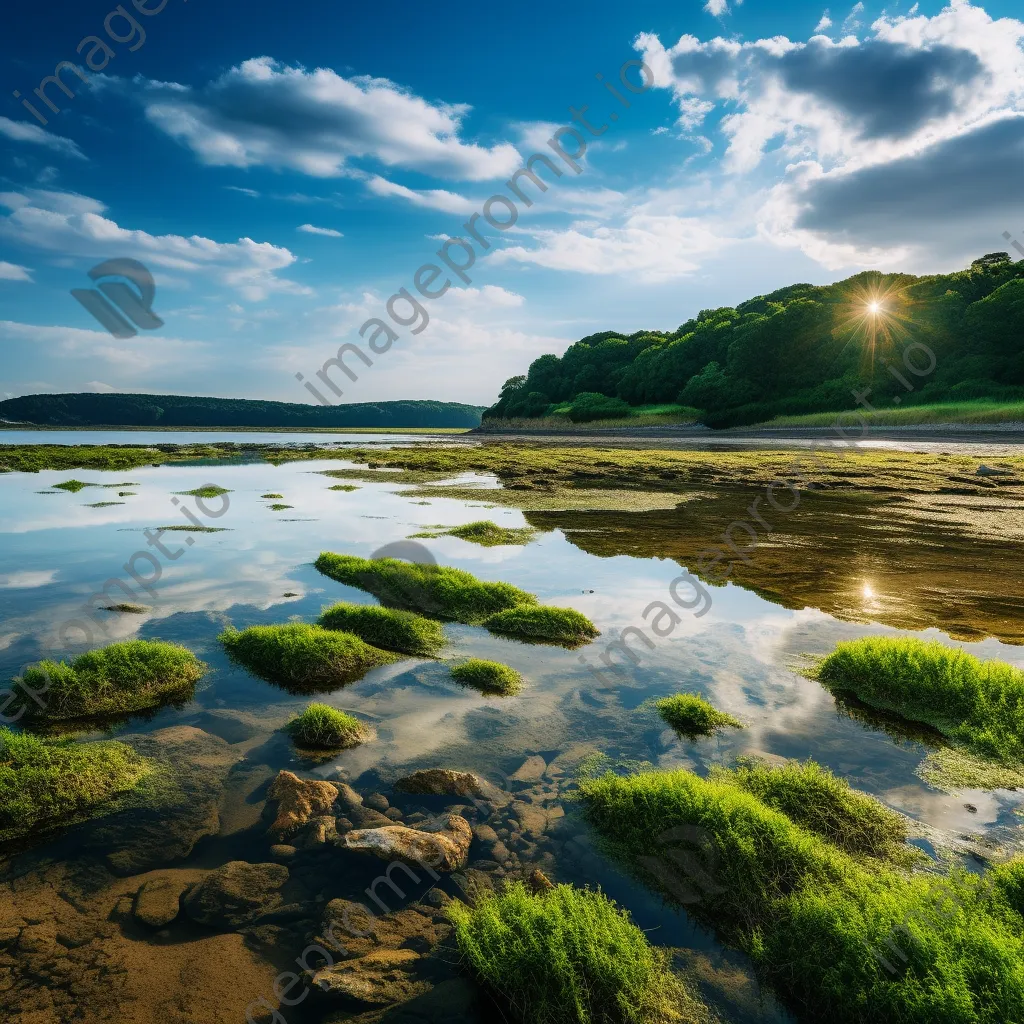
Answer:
(298, 800)
(442, 845)
(235, 894)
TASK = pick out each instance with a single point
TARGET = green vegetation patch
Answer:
(278, 507)
(828, 806)
(388, 628)
(321, 727)
(344, 487)
(46, 783)
(72, 486)
(543, 624)
(820, 925)
(128, 609)
(977, 705)
(692, 715)
(488, 676)
(206, 491)
(569, 956)
(103, 504)
(271, 496)
(485, 533)
(303, 657)
(181, 528)
(118, 679)
(436, 590)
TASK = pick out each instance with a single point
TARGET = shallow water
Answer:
(744, 654)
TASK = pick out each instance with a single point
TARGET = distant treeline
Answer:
(113, 410)
(805, 349)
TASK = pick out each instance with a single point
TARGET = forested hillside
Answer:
(802, 349)
(113, 410)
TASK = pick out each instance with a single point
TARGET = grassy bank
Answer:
(435, 590)
(691, 715)
(119, 679)
(978, 705)
(569, 956)
(388, 628)
(543, 624)
(960, 413)
(45, 784)
(321, 727)
(303, 658)
(488, 676)
(817, 921)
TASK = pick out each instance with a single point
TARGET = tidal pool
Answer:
(68, 940)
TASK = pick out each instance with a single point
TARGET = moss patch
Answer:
(691, 715)
(321, 727)
(194, 529)
(207, 491)
(271, 496)
(977, 705)
(488, 676)
(278, 507)
(570, 956)
(45, 784)
(344, 487)
(817, 922)
(304, 658)
(436, 590)
(388, 628)
(72, 486)
(118, 679)
(485, 533)
(103, 504)
(543, 624)
(128, 609)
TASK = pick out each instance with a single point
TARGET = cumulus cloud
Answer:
(312, 229)
(22, 131)
(27, 580)
(263, 113)
(14, 272)
(871, 136)
(75, 225)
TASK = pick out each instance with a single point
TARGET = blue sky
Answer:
(284, 170)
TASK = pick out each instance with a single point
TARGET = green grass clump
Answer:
(303, 657)
(194, 529)
(488, 676)
(321, 727)
(207, 491)
(820, 802)
(389, 628)
(485, 533)
(978, 705)
(692, 715)
(543, 624)
(820, 924)
(72, 486)
(48, 783)
(127, 608)
(344, 487)
(271, 495)
(118, 679)
(278, 507)
(103, 504)
(569, 956)
(436, 590)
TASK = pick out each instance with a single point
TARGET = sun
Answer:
(874, 307)
(876, 317)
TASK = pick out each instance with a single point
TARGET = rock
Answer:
(381, 978)
(443, 846)
(376, 801)
(157, 902)
(235, 894)
(366, 817)
(485, 834)
(347, 798)
(444, 782)
(991, 471)
(393, 814)
(352, 929)
(298, 801)
(539, 882)
(227, 725)
(533, 819)
(316, 832)
(531, 770)
(283, 853)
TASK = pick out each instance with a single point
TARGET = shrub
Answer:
(976, 704)
(543, 624)
(568, 956)
(436, 590)
(817, 922)
(488, 676)
(118, 679)
(691, 715)
(321, 727)
(589, 406)
(389, 628)
(303, 657)
(48, 783)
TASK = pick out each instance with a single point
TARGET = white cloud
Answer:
(75, 225)
(27, 580)
(22, 131)
(263, 113)
(311, 229)
(824, 24)
(431, 199)
(717, 8)
(98, 387)
(251, 192)
(14, 272)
